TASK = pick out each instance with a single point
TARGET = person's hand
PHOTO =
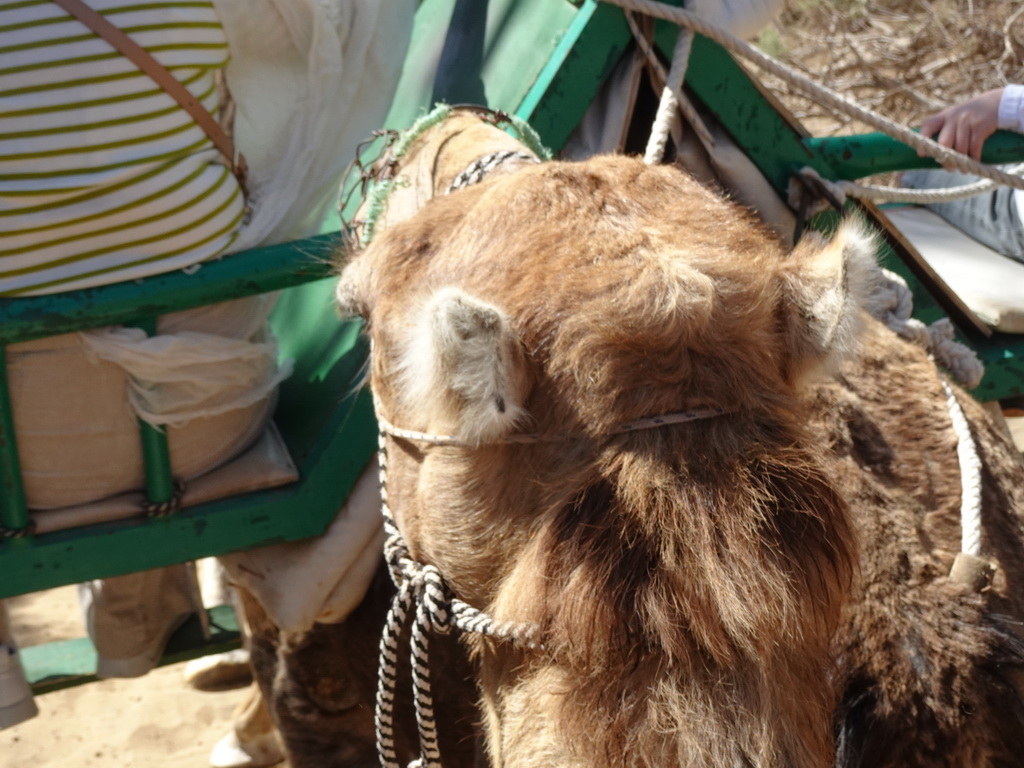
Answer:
(964, 127)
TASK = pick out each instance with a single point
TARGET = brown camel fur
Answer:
(929, 669)
(696, 585)
(320, 686)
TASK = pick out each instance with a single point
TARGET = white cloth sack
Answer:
(78, 438)
(176, 378)
(310, 80)
(322, 579)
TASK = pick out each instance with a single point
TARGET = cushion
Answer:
(989, 283)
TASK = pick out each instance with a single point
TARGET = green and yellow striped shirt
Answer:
(103, 177)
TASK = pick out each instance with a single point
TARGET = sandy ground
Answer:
(156, 721)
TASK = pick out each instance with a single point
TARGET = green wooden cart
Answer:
(542, 60)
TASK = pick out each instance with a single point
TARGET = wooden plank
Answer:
(246, 273)
(757, 125)
(574, 73)
(854, 157)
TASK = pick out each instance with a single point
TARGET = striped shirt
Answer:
(103, 176)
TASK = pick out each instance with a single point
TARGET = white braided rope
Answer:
(387, 669)
(970, 476)
(669, 103)
(842, 188)
(423, 595)
(685, 105)
(892, 304)
(829, 98)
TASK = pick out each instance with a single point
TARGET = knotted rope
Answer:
(18, 533)
(892, 303)
(422, 593)
(166, 508)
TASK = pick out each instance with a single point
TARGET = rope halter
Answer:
(425, 601)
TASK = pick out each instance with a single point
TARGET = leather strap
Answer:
(162, 77)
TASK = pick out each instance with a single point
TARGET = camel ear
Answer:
(826, 287)
(463, 366)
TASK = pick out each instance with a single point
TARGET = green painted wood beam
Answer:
(586, 53)
(330, 454)
(259, 270)
(854, 157)
(1003, 358)
(543, 60)
(13, 509)
(67, 663)
(727, 91)
(487, 52)
(156, 453)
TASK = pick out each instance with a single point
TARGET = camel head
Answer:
(672, 570)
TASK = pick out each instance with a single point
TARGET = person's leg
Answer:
(130, 617)
(992, 218)
(220, 670)
(16, 702)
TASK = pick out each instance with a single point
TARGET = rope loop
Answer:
(18, 533)
(841, 189)
(166, 508)
(434, 599)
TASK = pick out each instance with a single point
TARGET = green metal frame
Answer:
(323, 391)
(543, 60)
